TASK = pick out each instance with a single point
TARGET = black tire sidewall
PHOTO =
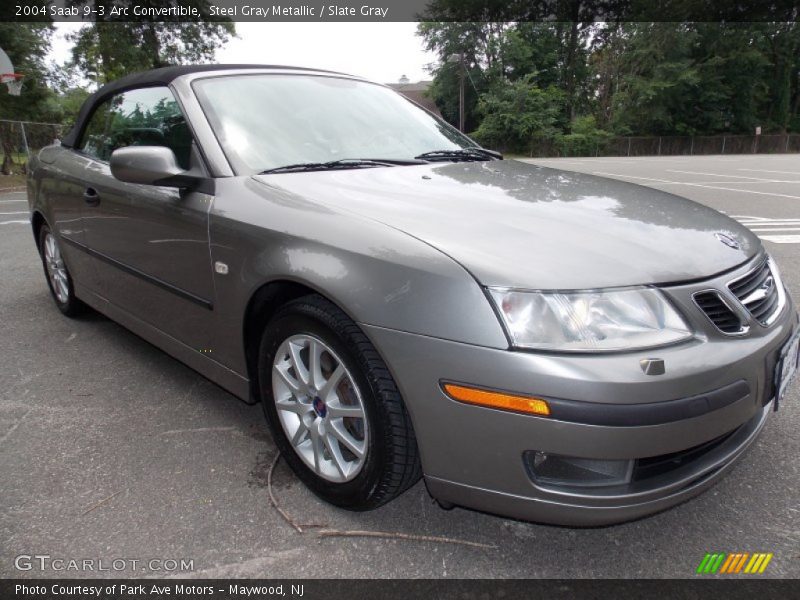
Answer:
(354, 494)
(71, 306)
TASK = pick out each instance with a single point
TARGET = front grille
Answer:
(719, 313)
(758, 292)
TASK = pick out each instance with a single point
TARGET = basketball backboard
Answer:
(8, 76)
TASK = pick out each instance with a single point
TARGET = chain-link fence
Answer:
(670, 145)
(20, 139)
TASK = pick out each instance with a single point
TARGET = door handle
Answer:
(91, 197)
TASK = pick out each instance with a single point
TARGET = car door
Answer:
(149, 243)
(61, 186)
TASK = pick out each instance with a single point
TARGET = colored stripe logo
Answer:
(735, 562)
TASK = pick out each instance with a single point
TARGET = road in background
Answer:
(110, 449)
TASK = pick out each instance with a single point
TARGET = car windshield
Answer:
(266, 121)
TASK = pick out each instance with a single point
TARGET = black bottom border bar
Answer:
(736, 587)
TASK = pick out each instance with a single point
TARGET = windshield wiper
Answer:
(342, 163)
(460, 154)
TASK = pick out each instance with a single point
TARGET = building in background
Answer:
(416, 93)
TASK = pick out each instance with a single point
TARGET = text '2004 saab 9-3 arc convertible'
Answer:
(535, 343)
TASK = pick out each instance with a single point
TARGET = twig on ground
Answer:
(99, 504)
(359, 533)
(272, 499)
(402, 536)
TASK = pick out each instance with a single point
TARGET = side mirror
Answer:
(149, 165)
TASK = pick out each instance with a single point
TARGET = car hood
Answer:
(513, 224)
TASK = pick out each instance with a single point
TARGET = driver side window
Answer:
(143, 117)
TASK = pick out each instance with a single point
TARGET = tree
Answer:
(27, 45)
(113, 46)
(479, 44)
(515, 112)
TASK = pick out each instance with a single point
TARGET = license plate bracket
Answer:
(786, 368)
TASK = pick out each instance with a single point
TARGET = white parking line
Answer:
(758, 224)
(775, 229)
(782, 239)
(710, 187)
(717, 175)
(744, 182)
(19, 212)
(13, 222)
(769, 171)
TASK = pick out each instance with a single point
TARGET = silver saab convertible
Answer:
(536, 343)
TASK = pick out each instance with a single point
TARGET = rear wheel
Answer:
(334, 410)
(58, 277)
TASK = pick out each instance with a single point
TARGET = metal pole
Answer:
(629, 146)
(24, 139)
(659, 145)
(461, 95)
(691, 148)
(723, 145)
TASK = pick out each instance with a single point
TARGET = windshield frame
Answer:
(243, 170)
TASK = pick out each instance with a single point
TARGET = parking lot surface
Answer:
(110, 449)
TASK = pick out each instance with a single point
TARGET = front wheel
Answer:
(58, 277)
(333, 408)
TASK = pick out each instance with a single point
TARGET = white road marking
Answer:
(775, 229)
(12, 222)
(743, 182)
(769, 171)
(19, 212)
(773, 226)
(718, 175)
(20, 201)
(782, 239)
(709, 187)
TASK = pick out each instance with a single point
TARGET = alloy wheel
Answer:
(56, 269)
(320, 408)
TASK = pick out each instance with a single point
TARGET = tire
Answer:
(390, 461)
(58, 278)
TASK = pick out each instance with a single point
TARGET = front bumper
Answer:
(473, 456)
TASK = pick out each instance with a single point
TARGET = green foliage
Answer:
(514, 112)
(27, 45)
(113, 46)
(614, 78)
(586, 139)
(69, 103)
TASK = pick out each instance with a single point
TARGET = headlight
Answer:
(593, 320)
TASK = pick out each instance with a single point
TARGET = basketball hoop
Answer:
(13, 82)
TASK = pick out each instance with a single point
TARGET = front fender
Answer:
(378, 275)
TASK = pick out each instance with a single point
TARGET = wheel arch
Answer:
(265, 301)
(37, 220)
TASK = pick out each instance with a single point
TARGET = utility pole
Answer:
(459, 58)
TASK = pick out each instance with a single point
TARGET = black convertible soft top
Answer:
(152, 78)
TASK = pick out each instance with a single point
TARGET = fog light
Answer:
(555, 470)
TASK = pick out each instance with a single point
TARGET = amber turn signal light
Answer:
(500, 400)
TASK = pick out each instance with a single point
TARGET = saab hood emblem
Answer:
(727, 240)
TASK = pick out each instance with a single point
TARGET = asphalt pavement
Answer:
(111, 450)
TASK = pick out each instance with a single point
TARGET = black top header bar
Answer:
(399, 10)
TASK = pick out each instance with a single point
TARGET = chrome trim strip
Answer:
(778, 282)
